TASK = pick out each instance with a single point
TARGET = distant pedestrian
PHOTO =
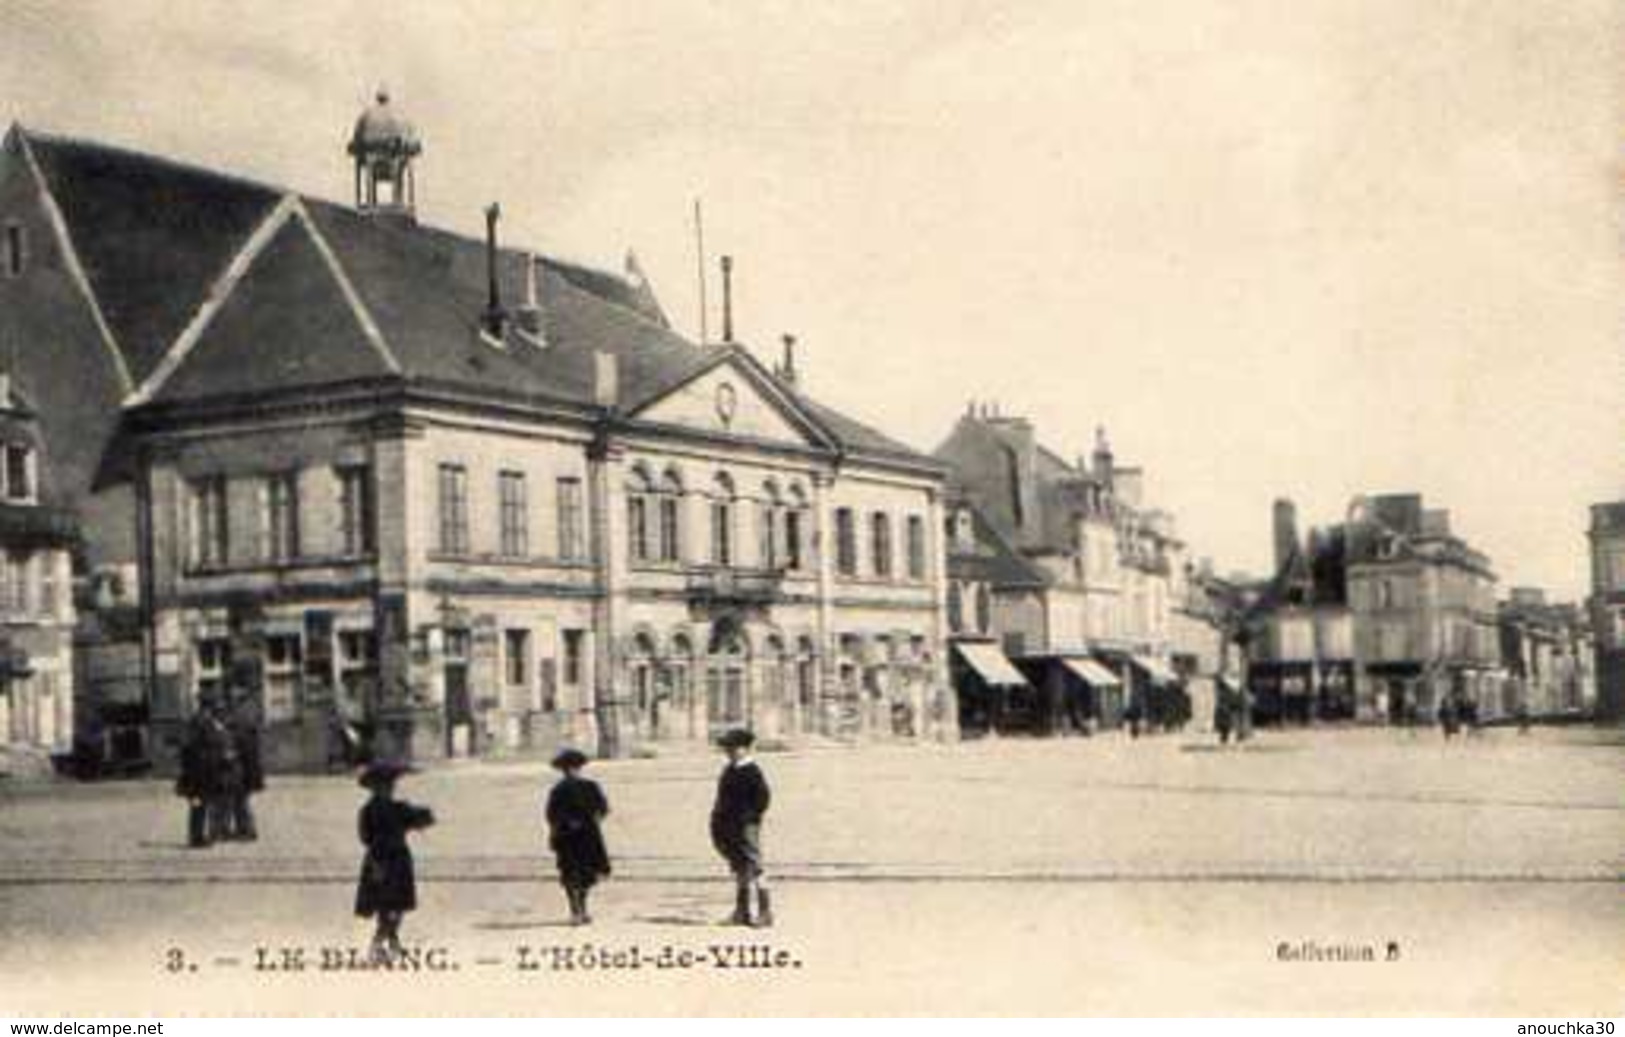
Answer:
(1522, 714)
(243, 728)
(576, 807)
(736, 827)
(387, 888)
(1449, 717)
(1224, 711)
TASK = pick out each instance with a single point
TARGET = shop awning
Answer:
(1093, 674)
(1156, 669)
(990, 664)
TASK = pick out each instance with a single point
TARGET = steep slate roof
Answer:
(155, 236)
(315, 338)
(151, 234)
(993, 558)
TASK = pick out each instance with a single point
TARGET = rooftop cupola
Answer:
(383, 145)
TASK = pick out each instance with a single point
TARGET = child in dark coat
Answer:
(387, 888)
(736, 826)
(575, 808)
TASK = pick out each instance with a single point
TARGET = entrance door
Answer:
(459, 708)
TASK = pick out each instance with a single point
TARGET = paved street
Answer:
(1098, 876)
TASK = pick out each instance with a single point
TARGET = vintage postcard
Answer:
(924, 507)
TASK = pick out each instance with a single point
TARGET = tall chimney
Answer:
(787, 370)
(727, 299)
(530, 310)
(1285, 523)
(494, 316)
(606, 381)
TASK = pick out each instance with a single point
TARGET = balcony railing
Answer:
(35, 525)
(736, 586)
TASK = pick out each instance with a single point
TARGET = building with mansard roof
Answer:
(446, 494)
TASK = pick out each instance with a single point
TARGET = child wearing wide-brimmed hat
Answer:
(736, 826)
(387, 887)
(576, 807)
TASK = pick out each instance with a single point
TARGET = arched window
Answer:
(772, 670)
(679, 672)
(769, 549)
(722, 520)
(640, 672)
(670, 518)
(795, 529)
(984, 609)
(806, 673)
(726, 704)
(639, 522)
(956, 609)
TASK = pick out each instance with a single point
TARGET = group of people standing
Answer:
(220, 768)
(575, 810)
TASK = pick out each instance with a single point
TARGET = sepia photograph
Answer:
(902, 508)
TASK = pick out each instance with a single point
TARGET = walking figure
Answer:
(387, 888)
(575, 808)
(736, 827)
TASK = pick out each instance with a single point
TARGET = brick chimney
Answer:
(606, 379)
(1285, 526)
(787, 367)
(529, 316)
(495, 318)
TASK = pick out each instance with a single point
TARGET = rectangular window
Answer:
(211, 541)
(213, 663)
(880, 544)
(19, 481)
(916, 548)
(283, 658)
(356, 512)
(516, 657)
(572, 545)
(16, 250)
(515, 514)
(637, 526)
(16, 589)
(846, 542)
(453, 509)
(282, 517)
(47, 584)
(574, 643)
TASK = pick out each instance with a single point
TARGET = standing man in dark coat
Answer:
(575, 808)
(736, 826)
(202, 759)
(243, 726)
(387, 888)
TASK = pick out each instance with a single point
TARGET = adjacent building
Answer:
(37, 538)
(1376, 618)
(1548, 660)
(1606, 608)
(1075, 579)
(463, 497)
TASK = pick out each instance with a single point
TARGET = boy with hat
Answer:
(736, 826)
(575, 808)
(387, 888)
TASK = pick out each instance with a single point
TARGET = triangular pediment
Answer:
(733, 398)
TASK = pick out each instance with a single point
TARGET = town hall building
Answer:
(458, 496)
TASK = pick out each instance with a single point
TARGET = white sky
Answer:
(1301, 248)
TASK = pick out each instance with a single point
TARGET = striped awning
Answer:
(1092, 673)
(1156, 669)
(990, 664)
